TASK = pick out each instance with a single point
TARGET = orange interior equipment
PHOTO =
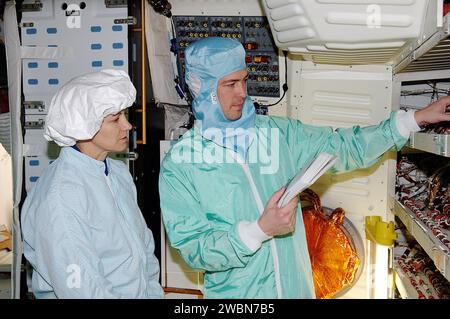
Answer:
(333, 258)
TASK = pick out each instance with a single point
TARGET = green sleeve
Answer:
(199, 242)
(356, 147)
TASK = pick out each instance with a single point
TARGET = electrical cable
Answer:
(174, 49)
(285, 85)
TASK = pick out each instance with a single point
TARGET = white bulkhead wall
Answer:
(343, 96)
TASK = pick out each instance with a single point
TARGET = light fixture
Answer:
(380, 238)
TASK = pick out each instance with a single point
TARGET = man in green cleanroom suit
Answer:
(220, 184)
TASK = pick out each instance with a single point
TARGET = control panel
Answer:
(254, 34)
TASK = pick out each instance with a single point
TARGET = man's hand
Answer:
(436, 112)
(278, 221)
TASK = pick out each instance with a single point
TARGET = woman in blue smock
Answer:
(83, 232)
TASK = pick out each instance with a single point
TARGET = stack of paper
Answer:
(307, 176)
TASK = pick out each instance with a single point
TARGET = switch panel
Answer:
(254, 34)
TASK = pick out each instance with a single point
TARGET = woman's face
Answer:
(113, 134)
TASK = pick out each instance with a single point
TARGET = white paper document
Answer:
(307, 176)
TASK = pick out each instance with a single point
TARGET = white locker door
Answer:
(343, 96)
(59, 42)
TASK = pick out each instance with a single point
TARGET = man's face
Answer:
(112, 136)
(232, 91)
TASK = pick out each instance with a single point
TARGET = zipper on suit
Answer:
(260, 205)
(135, 239)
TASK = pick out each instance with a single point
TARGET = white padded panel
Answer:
(341, 96)
(350, 31)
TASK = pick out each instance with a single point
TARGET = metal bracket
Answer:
(116, 3)
(132, 156)
(73, 13)
(26, 24)
(34, 105)
(433, 143)
(30, 7)
(32, 125)
(442, 142)
(129, 21)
